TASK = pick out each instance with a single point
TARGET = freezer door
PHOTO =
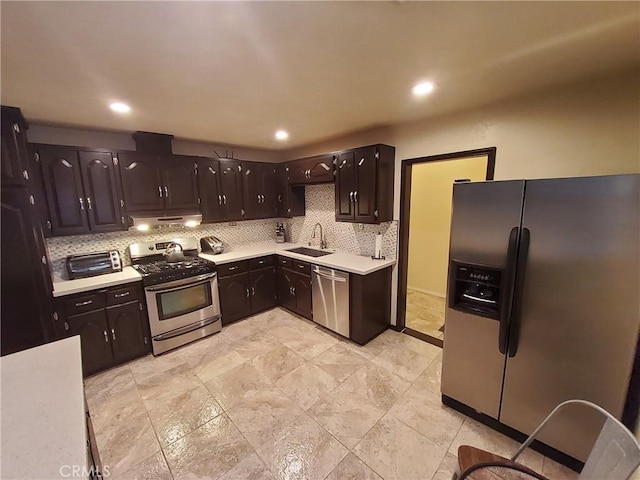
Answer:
(484, 214)
(579, 323)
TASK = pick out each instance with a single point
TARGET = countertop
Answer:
(43, 413)
(347, 262)
(68, 287)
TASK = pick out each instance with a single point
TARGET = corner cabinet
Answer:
(364, 184)
(290, 200)
(112, 324)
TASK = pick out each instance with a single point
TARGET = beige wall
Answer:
(122, 141)
(586, 128)
(430, 219)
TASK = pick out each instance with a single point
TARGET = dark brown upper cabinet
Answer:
(259, 190)
(153, 184)
(290, 200)
(13, 166)
(102, 191)
(82, 190)
(220, 184)
(364, 184)
(312, 170)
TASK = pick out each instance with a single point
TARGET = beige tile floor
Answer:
(275, 397)
(425, 313)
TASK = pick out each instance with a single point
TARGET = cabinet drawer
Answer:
(302, 267)
(262, 262)
(122, 295)
(285, 262)
(84, 303)
(232, 268)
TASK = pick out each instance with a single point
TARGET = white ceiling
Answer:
(235, 72)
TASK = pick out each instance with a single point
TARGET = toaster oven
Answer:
(91, 264)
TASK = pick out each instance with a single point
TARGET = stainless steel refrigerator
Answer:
(543, 302)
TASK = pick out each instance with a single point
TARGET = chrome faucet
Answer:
(323, 243)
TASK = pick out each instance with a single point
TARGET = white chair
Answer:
(614, 456)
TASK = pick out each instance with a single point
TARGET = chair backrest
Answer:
(614, 456)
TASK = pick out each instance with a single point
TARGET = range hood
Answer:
(143, 224)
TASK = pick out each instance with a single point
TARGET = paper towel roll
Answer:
(378, 252)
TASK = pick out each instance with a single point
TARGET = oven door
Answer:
(181, 303)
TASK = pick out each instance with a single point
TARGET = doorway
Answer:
(425, 222)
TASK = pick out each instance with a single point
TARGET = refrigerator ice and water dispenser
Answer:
(476, 289)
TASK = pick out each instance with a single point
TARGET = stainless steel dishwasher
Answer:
(331, 299)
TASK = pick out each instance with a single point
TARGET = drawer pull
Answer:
(301, 267)
(260, 262)
(284, 262)
(233, 268)
(82, 304)
(120, 295)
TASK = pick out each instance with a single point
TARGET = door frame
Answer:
(405, 212)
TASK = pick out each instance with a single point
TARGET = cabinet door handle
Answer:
(89, 203)
(160, 191)
(279, 198)
(247, 293)
(293, 290)
(106, 337)
(355, 196)
(66, 326)
(258, 197)
(120, 295)
(82, 304)
(113, 333)
(81, 203)
(224, 199)
(166, 191)
(219, 199)
(253, 292)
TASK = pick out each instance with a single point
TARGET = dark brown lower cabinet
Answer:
(127, 331)
(94, 339)
(370, 305)
(263, 289)
(234, 297)
(294, 288)
(112, 324)
(249, 292)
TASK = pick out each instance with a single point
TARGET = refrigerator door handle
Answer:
(516, 310)
(507, 290)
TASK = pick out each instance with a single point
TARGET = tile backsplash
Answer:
(348, 237)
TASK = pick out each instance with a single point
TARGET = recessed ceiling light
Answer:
(120, 107)
(281, 135)
(423, 88)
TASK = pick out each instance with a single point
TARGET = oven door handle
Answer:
(178, 284)
(186, 329)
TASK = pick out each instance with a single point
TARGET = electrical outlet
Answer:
(361, 226)
(233, 224)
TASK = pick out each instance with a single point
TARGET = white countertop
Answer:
(43, 414)
(347, 262)
(67, 287)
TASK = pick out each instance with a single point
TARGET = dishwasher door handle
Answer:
(331, 277)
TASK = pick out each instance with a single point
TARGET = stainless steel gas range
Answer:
(181, 290)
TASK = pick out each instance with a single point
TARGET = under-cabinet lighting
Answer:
(191, 224)
(143, 228)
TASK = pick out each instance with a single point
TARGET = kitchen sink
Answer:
(310, 252)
